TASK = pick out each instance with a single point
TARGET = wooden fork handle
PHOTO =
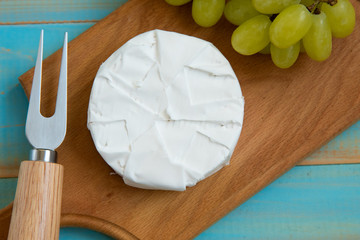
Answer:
(37, 205)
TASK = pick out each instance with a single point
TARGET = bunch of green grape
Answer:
(281, 28)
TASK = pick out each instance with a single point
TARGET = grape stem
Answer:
(315, 7)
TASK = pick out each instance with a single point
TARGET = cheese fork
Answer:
(37, 204)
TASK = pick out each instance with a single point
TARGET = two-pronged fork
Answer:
(37, 204)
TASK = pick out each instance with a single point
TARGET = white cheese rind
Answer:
(165, 110)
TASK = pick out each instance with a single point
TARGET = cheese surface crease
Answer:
(165, 110)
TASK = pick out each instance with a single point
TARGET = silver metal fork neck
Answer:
(44, 155)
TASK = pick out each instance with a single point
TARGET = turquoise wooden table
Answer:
(319, 199)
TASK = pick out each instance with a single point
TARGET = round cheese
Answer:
(165, 111)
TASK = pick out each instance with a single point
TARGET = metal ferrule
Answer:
(44, 155)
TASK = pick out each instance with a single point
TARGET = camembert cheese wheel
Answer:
(165, 111)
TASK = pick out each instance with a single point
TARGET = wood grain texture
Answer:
(288, 114)
(5, 216)
(308, 202)
(97, 224)
(344, 149)
(17, 56)
(37, 205)
(12, 149)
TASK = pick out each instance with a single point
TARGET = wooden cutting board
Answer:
(288, 114)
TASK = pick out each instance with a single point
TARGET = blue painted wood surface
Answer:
(309, 202)
(72, 233)
(32, 11)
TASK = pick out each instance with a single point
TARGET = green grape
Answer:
(207, 12)
(317, 42)
(290, 26)
(251, 36)
(272, 6)
(238, 11)
(265, 50)
(285, 57)
(177, 2)
(341, 17)
(307, 2)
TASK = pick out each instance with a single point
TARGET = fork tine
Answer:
(34, 102)
(62, 86)
(61, 99)
(49, 132)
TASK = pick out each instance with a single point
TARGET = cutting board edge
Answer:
(234, 202)
(279, 174)
(118, 232)
(96, 224)
(76, 220)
